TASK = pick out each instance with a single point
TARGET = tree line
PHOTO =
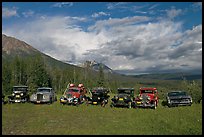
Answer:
(35, 72)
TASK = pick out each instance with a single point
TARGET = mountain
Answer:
(96, 66)
(12, 47)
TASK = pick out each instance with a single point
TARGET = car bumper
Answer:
(180, 104)
(17, 100)
(68, 101)
(39, 101)
(143, 104)
(120, 103)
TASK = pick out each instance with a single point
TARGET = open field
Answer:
(43, 119)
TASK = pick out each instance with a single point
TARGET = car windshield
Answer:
(177, 93)
(69, 95)
(147, 91)
(20, 89)
(43, 90)
(73, 90)
(124, 91)
(98, 91)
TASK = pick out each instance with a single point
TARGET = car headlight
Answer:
(45, 96)
(74, 96)
(125, 97)
(13, 94)
(148, 98)
(140, 98)
(169, 101)
(21, 94)
(98, 97)
(116, 97)
(34, 97)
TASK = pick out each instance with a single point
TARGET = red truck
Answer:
(148, 97)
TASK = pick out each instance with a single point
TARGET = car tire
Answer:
(155, 105)
(50, 102)
(129, 104)
(103, 103)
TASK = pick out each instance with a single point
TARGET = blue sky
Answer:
(128, 36)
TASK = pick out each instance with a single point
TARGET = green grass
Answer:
(56, 119)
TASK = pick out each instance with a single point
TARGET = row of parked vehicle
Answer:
(76, 95)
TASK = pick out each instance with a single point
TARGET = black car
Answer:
(125, 97)
(99, 96)
(20, 94)
(178, 98)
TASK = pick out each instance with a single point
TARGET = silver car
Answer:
(43, 95)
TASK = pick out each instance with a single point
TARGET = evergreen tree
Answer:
(101, 79)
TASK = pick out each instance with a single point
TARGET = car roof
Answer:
(126, 89)
(20, 86)
(148, 88)
(99, 88)
(74, 88)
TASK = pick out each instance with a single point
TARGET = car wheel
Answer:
(129, 104)
(103, 103)
(155, 104)
(50, 102)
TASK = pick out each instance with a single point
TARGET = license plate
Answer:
(94, 103)
(120, 98)
(17, 96)
(38, 101)
(138, 102)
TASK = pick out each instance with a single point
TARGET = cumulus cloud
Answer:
(136, 43)
(172, 13)
(9, 12)
(101, 24)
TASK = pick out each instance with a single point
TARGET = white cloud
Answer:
(63, 4)
(96, 15)
(9, 12)
(117, 5)
(28, 13)
(121, 43)
(112, 22)
(172, 13)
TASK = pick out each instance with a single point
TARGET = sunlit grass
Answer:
(58, 119)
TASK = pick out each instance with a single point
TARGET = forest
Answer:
(39, 71)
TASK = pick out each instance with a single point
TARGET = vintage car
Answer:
(99, 95)
(148, 97)
(43, 95)
(73, 95)
(178, 98)
(20, 94)
(124, 97)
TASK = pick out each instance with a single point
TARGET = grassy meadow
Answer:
(56, 119)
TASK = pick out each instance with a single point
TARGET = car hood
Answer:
(123, 95)
(74, 94)
(18, 92)
(179, 97)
